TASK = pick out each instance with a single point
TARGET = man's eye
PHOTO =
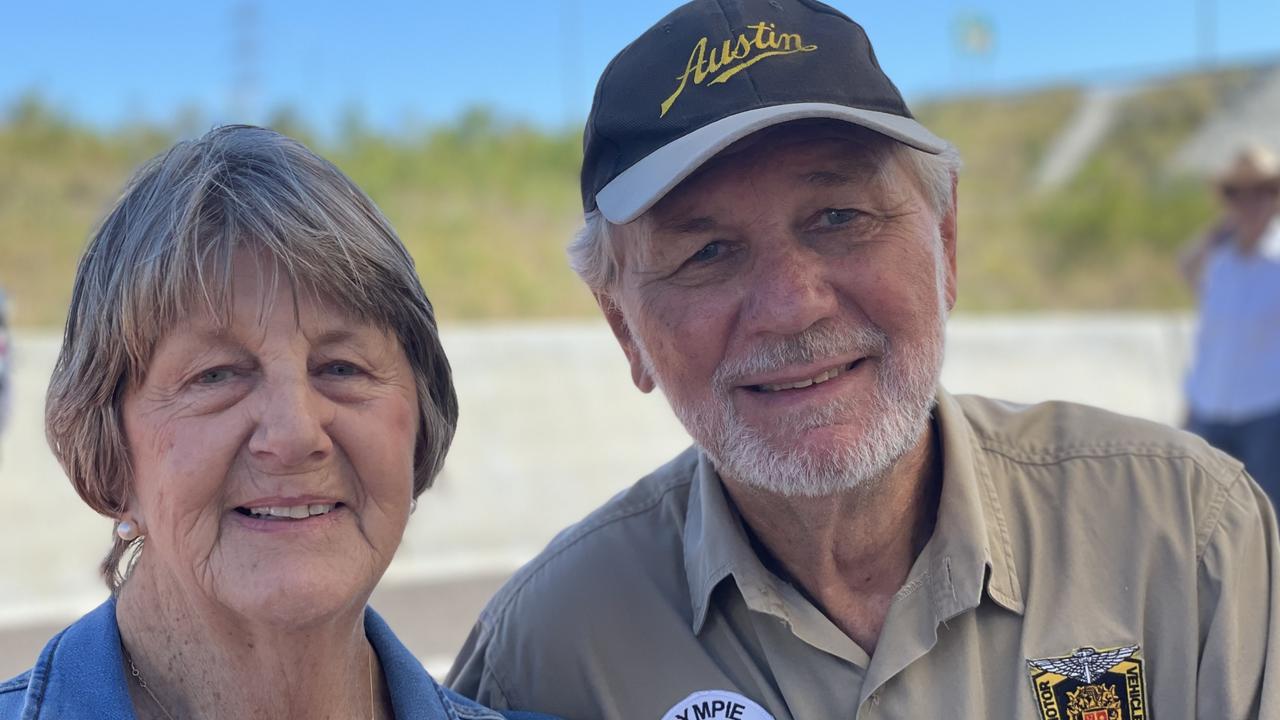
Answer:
(710, 251)
(834, 217)
(214, 376)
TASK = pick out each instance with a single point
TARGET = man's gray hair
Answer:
(166, 248)
(596, 255)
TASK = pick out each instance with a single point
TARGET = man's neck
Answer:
(850, 553)
(1248, 239)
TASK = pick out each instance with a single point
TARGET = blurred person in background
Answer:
(772, 238)
(1233, 388)
(251, 384)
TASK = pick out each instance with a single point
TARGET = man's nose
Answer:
(293, 420)
(789, 291)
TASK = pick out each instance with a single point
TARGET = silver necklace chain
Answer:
(137, 675)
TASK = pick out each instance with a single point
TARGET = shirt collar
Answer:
(969, 548)
(84, 668)
(715, 543)
(970, 542)
(414, 694)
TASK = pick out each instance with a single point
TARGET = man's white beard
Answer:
(894, 417)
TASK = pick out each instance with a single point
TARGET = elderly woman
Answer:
(252, 385)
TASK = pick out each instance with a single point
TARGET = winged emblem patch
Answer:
(1091, 684)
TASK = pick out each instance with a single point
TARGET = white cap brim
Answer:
(640, 186)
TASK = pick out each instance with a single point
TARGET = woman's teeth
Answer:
(294, 512)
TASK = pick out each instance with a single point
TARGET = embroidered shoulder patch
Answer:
(1090, 684)
(717, 705)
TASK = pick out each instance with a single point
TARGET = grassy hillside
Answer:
(1108, 239)
(486, 206)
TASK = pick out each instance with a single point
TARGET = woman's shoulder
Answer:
(13, 695)
(75, 676)
(412, 687)
(27, 689)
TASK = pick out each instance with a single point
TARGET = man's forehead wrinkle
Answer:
(687, 226)
(845, 164)
(824, 178)
(828, 178)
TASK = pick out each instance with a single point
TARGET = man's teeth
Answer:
(296, 512)
(833, 372)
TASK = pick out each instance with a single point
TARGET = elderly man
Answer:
(772, 238)
(1233, 389)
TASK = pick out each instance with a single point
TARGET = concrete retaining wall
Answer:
(551, 426)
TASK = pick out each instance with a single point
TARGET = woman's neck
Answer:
(202, 661)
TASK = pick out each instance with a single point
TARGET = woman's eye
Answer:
(833, 217)
(214, 376)
(341, 369)
(710, 251)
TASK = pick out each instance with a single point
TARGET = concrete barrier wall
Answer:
(551, 426)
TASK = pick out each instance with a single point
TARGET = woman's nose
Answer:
(292, 423)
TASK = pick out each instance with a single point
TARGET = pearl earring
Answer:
(413, 505)
(127, 531)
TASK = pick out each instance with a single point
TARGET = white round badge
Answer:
(716, 705)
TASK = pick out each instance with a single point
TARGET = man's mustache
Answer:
(818, 342)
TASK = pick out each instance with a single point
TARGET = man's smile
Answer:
(802, 380)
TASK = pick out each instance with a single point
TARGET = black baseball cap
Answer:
(715, 71)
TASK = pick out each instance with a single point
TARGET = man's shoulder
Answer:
(1054, 432)
(633, 536)
(1058, 458)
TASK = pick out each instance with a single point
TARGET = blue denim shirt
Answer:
(80, 674)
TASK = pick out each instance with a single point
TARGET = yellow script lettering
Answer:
(702, 64)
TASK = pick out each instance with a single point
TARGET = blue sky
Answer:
(425, 61)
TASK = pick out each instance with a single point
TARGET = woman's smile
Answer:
(289, 514)
(297, 518)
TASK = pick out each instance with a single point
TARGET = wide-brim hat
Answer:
(715, 71)
(1253, 165)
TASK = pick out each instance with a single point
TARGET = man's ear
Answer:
(622, 332)
(947, 229)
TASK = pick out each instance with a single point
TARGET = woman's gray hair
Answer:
(596, 255)
(166, 247)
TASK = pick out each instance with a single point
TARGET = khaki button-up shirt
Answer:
(1059, 528)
